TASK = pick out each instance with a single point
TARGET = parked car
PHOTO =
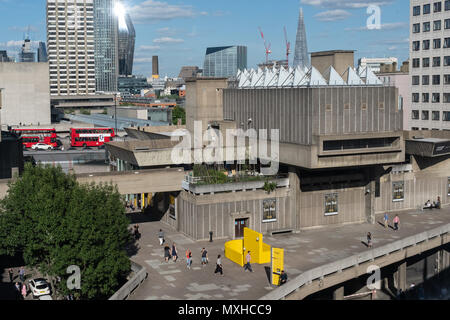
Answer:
(41, 146)
(39, 287)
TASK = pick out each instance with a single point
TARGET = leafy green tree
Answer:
(178, 113)
(55, 222)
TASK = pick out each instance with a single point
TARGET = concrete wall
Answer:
(26, 93)
(339, 60)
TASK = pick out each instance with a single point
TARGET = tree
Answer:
(178, 113)
(59, 223)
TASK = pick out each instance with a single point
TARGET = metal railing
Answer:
(140, 274)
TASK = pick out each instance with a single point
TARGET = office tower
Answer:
(70, 40)
(127, 36)
(106, 45)
(42, 52)
(25, 54)
(224, 61)
(301, 57)
(155, 67)
(430, 60)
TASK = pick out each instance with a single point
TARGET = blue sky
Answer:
(179, 31)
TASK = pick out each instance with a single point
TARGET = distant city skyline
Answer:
(180, 32)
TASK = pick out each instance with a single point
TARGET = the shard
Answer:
(301, 57)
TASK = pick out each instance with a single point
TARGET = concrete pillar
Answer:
(338, 294)
(400, 277)
(14, 172)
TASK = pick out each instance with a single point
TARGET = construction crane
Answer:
(288, 47)
(267, 47)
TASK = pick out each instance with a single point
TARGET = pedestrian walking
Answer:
(396, 222)
(22, 274)
(188, 258)
(166, 253)
(386, 220)
(369, 240)
(174, 252)
(161, 237)
(219, 267)
(204, 256)
(248, 259)
(11, 275)
(137, 235)
(17, 287)
(24, 290)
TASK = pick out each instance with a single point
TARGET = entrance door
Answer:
(239, 225)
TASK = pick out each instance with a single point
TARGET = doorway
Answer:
(239, 225)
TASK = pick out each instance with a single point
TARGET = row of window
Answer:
(437, 44)
(435, 115)
(435, 97)
(436, 79)
(426, 62)
(426, 26)
(437, 7)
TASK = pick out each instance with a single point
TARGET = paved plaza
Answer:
(303, 251)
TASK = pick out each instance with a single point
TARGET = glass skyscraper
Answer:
(127, 37)
(42, 52)
(224, 61)
(106, 45)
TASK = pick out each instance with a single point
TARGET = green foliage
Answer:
(105, 111)
(269, 186)
(56, 222)
(85, 111)
(178, 113)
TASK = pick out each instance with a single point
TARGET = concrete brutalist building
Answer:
(344, 157)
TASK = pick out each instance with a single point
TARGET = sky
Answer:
(180, 31)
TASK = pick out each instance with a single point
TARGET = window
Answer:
(447, 5)
(415, 129)
(416, 28)
(436, 43)
(425, 80)
(436, 79)
(426, 62)
(426, 8)
(269, 210)
(446, 116)
(398, 192)
(435, 115)
(415, 114)
(436, 61)
(446, 78)
(446, 97)
(425, 115)
(415, 80)
(416, 45)
(425, 97)
(416, 11)
(416, 63)
(331, 204)
(446, 61)
(447, 43)
(437, 7)
(426, 27)
(436, 97)
(172, 212)
(415, 97)
(447, 23)
(426, 45)
(437, 25)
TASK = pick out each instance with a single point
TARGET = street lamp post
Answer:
(115, 112)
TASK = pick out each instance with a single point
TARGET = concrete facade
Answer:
(341, 60)
(25, 93)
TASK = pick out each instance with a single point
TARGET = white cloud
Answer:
(168, 40)
(149, 48)
(150, 10)
(349, 4)
(332, 15)
(386, 26)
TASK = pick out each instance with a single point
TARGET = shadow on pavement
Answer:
(7, 289)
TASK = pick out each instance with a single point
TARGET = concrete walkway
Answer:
(303, 251)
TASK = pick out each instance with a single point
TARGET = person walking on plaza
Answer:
(386, 220)
(219, 267)
(396, 222)
(24, 290)
(17, 285)
(11, 275)
(161, 237)
(188, 258)
(22, 274)
(369, 240)
(204, 256)
(174, 253)
(166, 253)
(248, 259)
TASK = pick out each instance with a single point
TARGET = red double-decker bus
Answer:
(90, 137)
(32, 136)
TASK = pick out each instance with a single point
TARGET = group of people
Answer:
(396, 221)
(21, 287)
(434, 205)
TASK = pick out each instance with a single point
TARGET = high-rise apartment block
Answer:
(224, 61)
(70, 43)
(430, 64)
(106, 45)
